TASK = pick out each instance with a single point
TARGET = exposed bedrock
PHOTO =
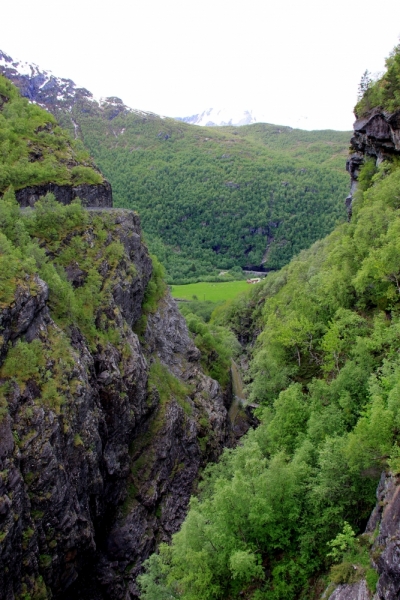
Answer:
(376, 136)
(384, 528)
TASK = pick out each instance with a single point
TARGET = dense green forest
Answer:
(278, 517)
(34, 149)
(216, 198)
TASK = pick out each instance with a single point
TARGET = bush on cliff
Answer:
(385, 92)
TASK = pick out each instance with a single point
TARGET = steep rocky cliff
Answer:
(376, 136)
(103, 428)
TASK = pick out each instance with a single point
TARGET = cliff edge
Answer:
(376, 137)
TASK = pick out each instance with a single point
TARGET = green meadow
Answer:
(209, 291)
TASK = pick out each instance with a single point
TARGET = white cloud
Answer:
(296, 63)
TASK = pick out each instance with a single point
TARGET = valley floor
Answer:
(207, 291)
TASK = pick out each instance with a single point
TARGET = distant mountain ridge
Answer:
(52, 92)
(57, 94)
(209, 198)
(41, 86)
(217, 117)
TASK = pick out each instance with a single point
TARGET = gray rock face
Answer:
(92, 195)
(356, 591)
(98, 457)
(376, 136)
(22, 314)
(385, 519)
(384, 525)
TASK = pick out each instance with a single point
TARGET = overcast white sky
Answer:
(294, 62)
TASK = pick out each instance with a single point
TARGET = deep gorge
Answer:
(110, 421)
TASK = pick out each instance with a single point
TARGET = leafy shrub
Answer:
(24, 361)
(345, 572)
(168, 386)
(85, 175)
(156, 287)
(342, 543)
(217, 346)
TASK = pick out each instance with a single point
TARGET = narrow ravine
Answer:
(239, 397)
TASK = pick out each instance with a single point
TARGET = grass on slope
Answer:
(211, 292)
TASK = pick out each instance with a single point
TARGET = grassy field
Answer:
(213, 292)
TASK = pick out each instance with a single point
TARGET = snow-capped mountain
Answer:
(56, 94)
(41, 86)
(221, 116)
(62, 97)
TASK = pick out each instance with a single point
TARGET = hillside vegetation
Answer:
(283, 508)
(34, 150)
(215, 198)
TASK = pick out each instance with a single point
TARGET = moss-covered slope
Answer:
(34, 150)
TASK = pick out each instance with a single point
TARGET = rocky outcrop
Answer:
(355, 591)
(376, 136)
(92, 195)
(383, 528)
(385, 552)
(101, 439)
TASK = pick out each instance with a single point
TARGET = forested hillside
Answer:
(209, 198)
(277, 518)
(215, 198)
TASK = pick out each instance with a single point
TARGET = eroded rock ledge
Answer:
(92, 195)
(376, 136)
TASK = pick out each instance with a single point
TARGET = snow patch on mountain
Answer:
(221, 116)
